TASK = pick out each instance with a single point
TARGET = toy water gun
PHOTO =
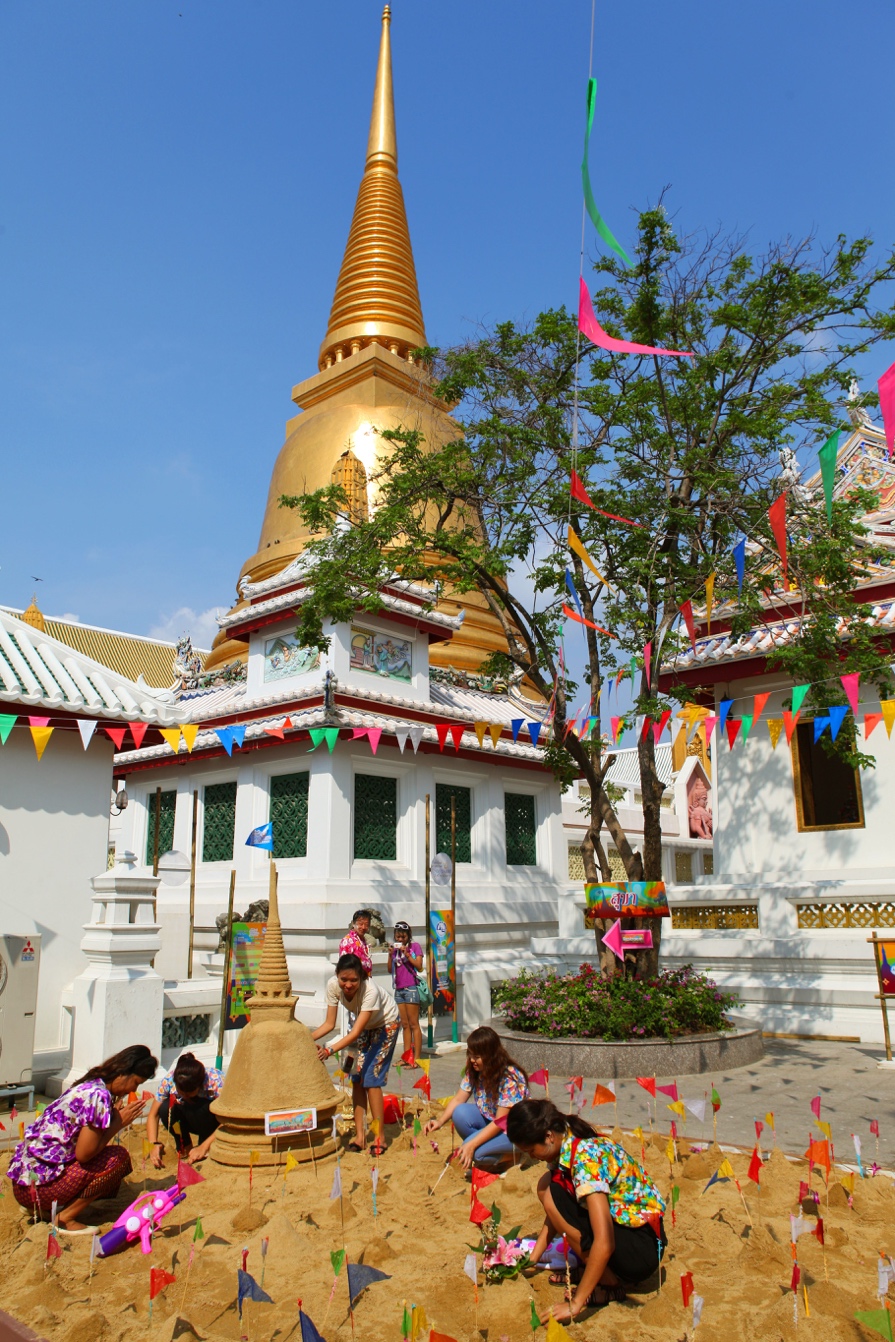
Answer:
(139, 1221)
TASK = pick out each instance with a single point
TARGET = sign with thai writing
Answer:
(444, 977)
(626, 899)
(285, 1122)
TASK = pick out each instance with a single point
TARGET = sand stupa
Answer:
(274, 1067)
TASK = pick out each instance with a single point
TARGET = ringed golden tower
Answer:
(367, 381)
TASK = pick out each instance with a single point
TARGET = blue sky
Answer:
(177, 185)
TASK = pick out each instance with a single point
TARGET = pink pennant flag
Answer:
(670, 1091)
(540, 1077)
(187, 1174)
(38, 722)
(616, 723)
(710, 723)
(815, 1106)
(659, 727)
(886, 386)
(647, 658)
(358, 732)
(590, 327)
(373, 735)
(850, 685)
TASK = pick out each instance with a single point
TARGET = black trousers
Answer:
(193, 1116)
(638, 1249)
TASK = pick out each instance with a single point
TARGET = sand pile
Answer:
(742, 1271)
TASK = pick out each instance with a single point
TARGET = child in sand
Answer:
(492, 1085)
(595, 1195)
(374, 1034)
(184, 1099)
(65, 1156)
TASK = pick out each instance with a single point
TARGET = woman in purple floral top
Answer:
(65, 1156)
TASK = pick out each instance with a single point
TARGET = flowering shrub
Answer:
(678, 1001)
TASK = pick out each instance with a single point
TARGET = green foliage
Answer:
(583, 1005)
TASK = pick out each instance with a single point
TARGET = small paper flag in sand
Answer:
(309, 1332)
(147, 1149)
(874, 1127)
(481, 1179)
(670, 1152)
(818, 1153)
(470, 1267)
(769, 1119)
(418, 1322)
(540, 1077)
(755, 1167)
(337, 1258)
(716, 1100)
(187, 1175)
(535, 1321)
(337, 1185)
(880, 1320)
(478, 1212)
(158, 1280)
(815, 1106)
(360, 1276)
(670, 1091)
(697, 1109)
(424, 1085)
(725, 1169)
(198, 1233)
(54, 1248)
(248, 1289)
(686, 1287)
(818, 1231)
(648, 1083)
(698, 1303)
(677, 1107)
(603, 1095)
(291, 1163)
(556, 1332)
(825, 1129)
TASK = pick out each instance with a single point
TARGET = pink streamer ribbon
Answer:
(590, 327)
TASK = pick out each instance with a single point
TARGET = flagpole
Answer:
(455, 1036)
(225, 987)
(430, 1032)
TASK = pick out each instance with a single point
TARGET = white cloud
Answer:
(68, 618)
(201, 627)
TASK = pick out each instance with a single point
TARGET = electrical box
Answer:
(19, 967)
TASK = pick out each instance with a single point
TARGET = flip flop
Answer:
(354, 1146)
(377, 1150)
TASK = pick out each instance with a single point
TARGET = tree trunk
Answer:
(651, 788)
(593, 852)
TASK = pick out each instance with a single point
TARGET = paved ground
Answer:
(845, 1076)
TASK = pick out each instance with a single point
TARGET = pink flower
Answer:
(505, 1255)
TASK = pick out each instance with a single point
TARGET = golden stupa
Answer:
(274, 1067)
(367, 381)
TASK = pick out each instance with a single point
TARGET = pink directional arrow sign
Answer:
(638, 938)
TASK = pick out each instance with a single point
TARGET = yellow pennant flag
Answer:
(494, 731)
(670, 1152)
(374, 1127)
(775, 727)
(40, 736)
(419, 1324)
(638, 1133)
(709, 601)
(848, 1182)
(291, 1162)
(172, 736)
(769, 1119)
(480, 728)
(556, 1332)
(677, 1107)
(887, 706)
(726, 1170)
(425, 1064)
(253, 1158)
(190, 732)
(825, 1129)
(576, 544)
(147, 1149)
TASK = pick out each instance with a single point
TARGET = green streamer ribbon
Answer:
(827, 456)
(599, 222)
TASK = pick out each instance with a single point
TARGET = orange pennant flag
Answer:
(172, 736)
(602, 1095)
(495, 731)
(190, 732)
(480, 728)
(790, 719)
(40, 736)
(758, 705)
(888, 710)
(871, 720)
(819, 1154)
(775, 727)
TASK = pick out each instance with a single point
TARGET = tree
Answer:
(685, 449)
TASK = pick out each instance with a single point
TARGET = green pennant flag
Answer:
(675, 1195)
(827, 456)
(880, 1320)
(7, 722)
(747, 719)
(406, 1324)
(332, 736)
(317, 734)
(798, 696)
(198, 1233)
(597, 219)
(337, 1258)
(417, 1127)
(535, 1321)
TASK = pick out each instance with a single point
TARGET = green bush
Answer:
(678, 1001)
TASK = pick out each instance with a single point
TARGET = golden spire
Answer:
(34, 616)
(377, 300)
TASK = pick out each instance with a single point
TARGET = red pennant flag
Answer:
(687, 612)
(733, 726)
(408, 1058)
(648, 1083)
(803, 1190)
(754, 1170)
(789, 722)
(442, 728)
(577, 490)
(777, 518)
(457, 736)
(818, 1231)
(874, 1127)
(759, 1129)
(277, 730)
(138, 731)
(54, 1248)
(481, 1179)
(644, 731)
(158, 1280)
(686, 1287)
(424, 1085)
(540, 1077)
(187, 1174)
(670, 1091)
(478, 1212)
(796, 1277)
(116, 734)
(758, 705)
(655, 1221)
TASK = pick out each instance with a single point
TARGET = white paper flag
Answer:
(86, 729)
(401, 733)
(698, 1303)
(416, 735)
(337, 1185)
(796, 1227)
(469, 1267)
(375, 1177)
(696, 1108)
(857, 1141)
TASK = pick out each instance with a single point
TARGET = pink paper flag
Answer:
(659, 727)
(187, 1175)
(670, 1091)
(815, 1106)
(886, 386)
(373, 735)
(616, 723)
(647, 658)
(710, 724)
(540, 1077)
(850, 685)
(590, 327)
(358, 732)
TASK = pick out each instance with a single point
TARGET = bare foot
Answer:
(70, 1225)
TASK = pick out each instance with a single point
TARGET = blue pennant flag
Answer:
(573, 592)
(238, 733)
(716, 1179)
(723, 709)
(534, 731)
(225, 736)
(837, 717)
(250, 1290)
(739, 558)
(308, 1332)
(262, 837)
(820, 726)
(517, 724)
(360, 1277)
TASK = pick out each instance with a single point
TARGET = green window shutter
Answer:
(375, 817)
(220, 819)
(289, 814)
(165, 825)
(522, 846)
(443, 794)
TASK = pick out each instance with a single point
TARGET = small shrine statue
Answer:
(699, 813)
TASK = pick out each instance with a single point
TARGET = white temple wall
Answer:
(54, 828)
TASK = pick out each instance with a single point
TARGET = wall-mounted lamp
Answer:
(120, 802)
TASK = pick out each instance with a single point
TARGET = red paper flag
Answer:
(686, 1287)
(796, 1277)
(138, 731)
(733, 726)
(478, 1212)
(659, 727)
(54, 1248)
(577, 490)
(759, 1129)
(442, 728)
(187, 1174)
(116, 734)
(540, 1077)
(423, 1085)
(754, 1170)
(874, 1127)
(575, 1083)
(407, 1057)
(789, 721)
(818, 1231)
(777, 518)
(481, 1179)
(158, 1280)
(670, 1091)
(687, 612)
(648, 1083)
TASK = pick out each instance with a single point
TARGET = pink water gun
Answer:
(139, 1221)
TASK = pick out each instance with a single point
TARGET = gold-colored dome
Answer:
(34, 616)
(377, 298)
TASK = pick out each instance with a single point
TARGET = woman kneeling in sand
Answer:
(492, 1085)
(65, 1156)
(374, 1032)
(595, 1195)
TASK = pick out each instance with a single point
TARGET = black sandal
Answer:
(354, 1146)
(610, 1294)
(558, 1278)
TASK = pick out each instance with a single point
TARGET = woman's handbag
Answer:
(425, 992)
